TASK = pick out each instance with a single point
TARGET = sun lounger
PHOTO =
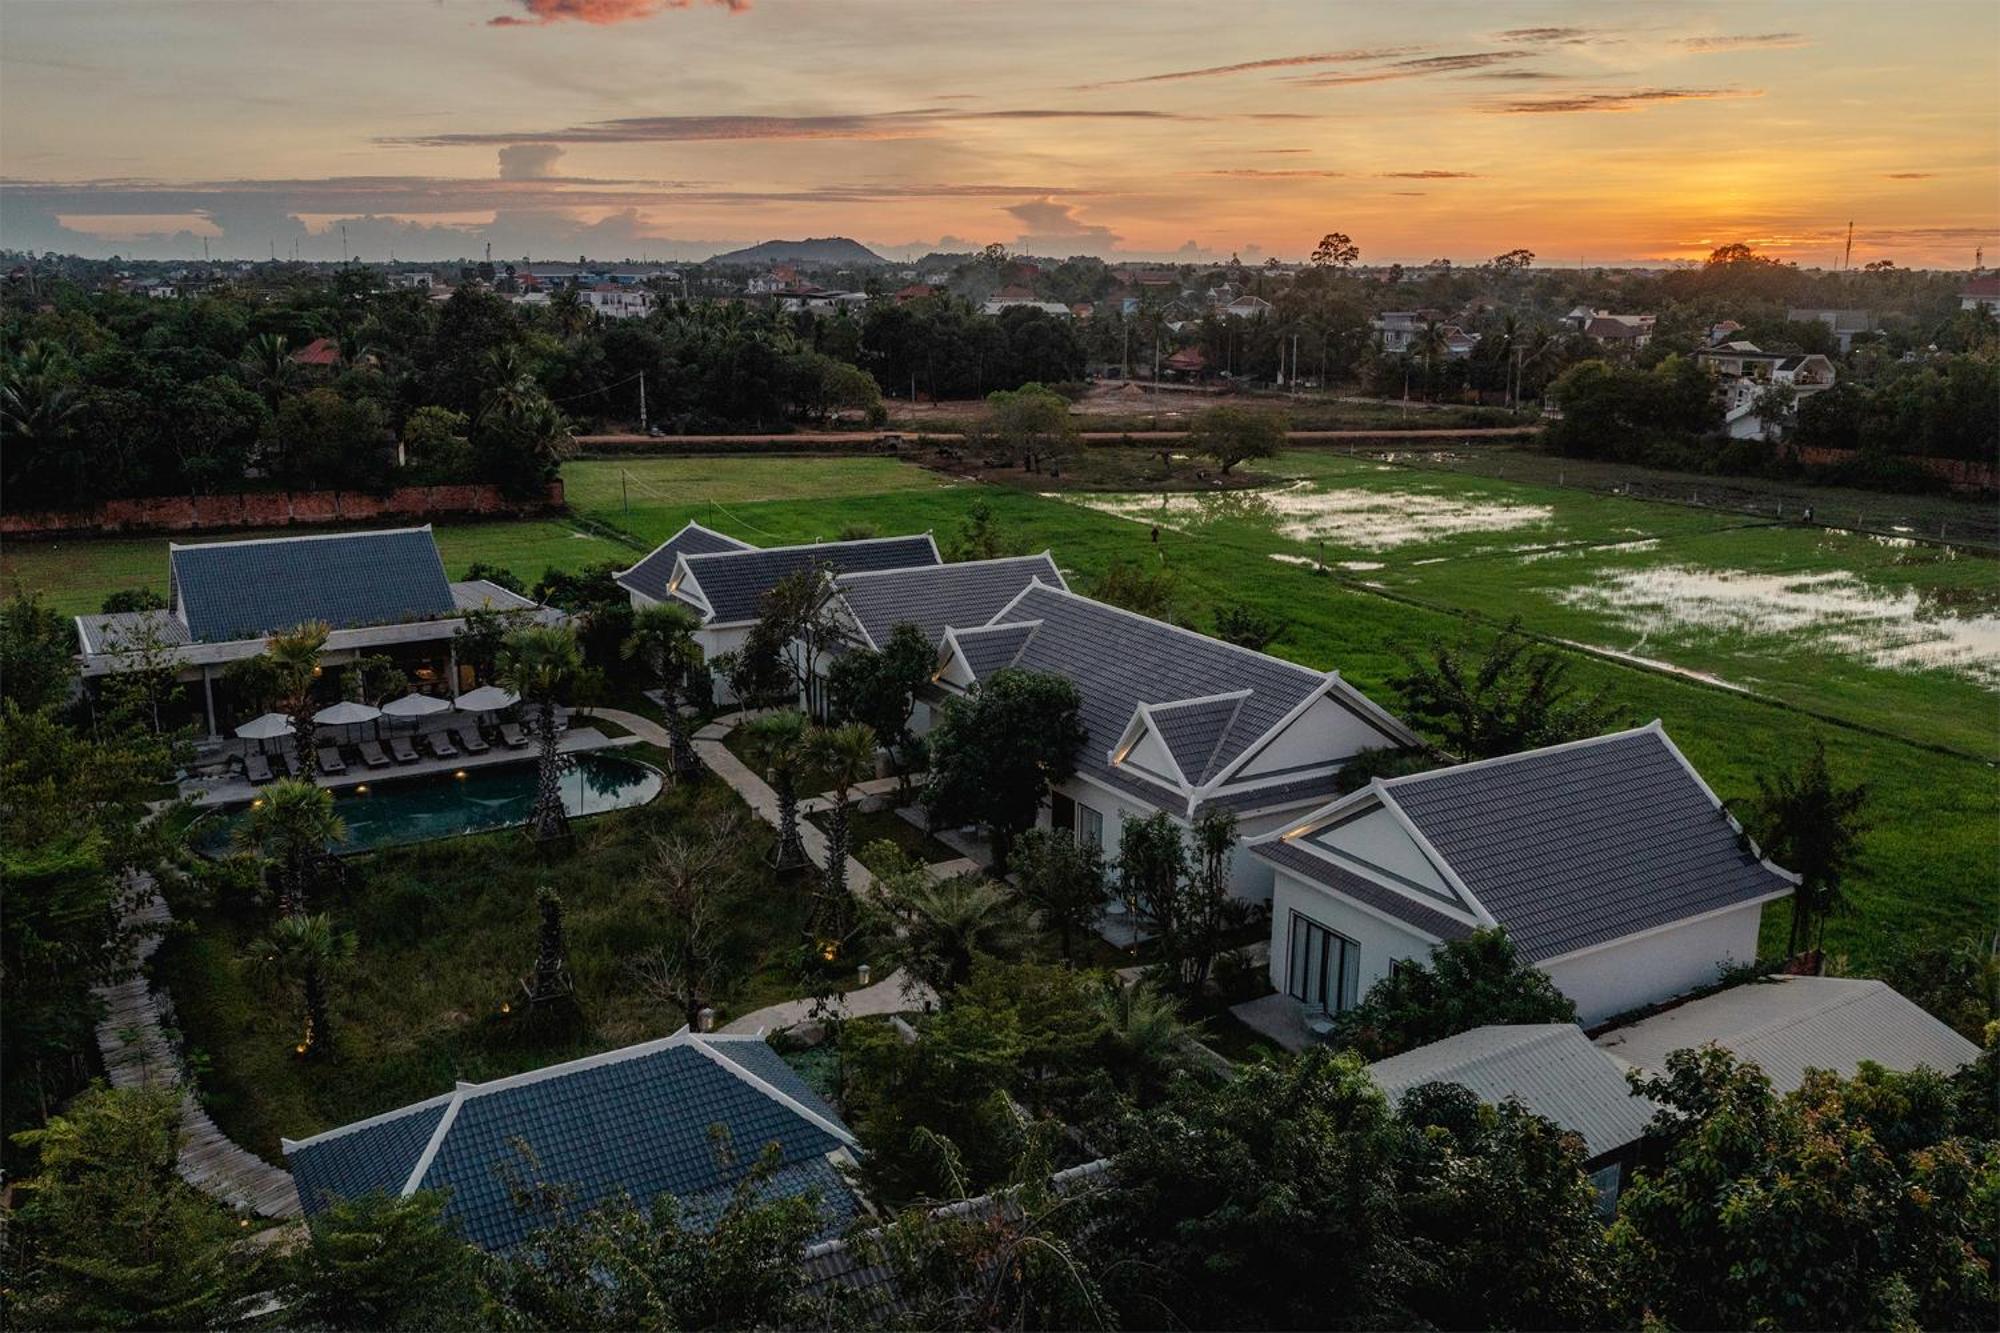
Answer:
(290, 759)
(440, 745)
(405, 752)
(511, 737)
(371, 754)
(257, 768)
(330, 760)
(470, 740)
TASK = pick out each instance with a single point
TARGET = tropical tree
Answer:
(1035, 426)
(268, 367)
(294, 654)
(291, 825)
(778, 742)
(38, 394)
(662, 638)
(846, 755)
(996, 752)
(1810, 824)
(945, 924)
(1179, 888)
(696, 880)
(308, 951)
(383, 1262)
(1467, 983)
(540, 663)
(1145, 1039)
(879, 689)
(1516, 696)
(550, 981)
(570, 313)
(1063, 880)
(795, 628)
(1430, 345)
(1247, 626)
(1230, 435)
(1335, 250)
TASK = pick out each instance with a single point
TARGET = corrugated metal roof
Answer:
(1550, 1068)
(1787, 1025)
(934, 597)
(734, 582)
(228, 591)
(649, 577)
(116, 630)
(1580, 844)
(688, 1116)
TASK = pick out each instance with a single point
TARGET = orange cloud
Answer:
(543, 12)
(1415, 69)
(1356, 56)
(1759, 41)
(1620, 101)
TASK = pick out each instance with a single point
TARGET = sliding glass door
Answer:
(1323, 966)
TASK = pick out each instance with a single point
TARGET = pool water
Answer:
(397, 811)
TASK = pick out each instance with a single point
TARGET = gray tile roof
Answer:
(1581, 844)
(1787, 1025)
(988, 648)
(1550, 1068)
(1119, 660)
(734, 582)
(684, 1116)
(1318, 870)
(228, 591)
(123, 629)
(1194, 729)
(649, 577)
(933, 597)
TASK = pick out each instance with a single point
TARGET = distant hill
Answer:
(820, 250)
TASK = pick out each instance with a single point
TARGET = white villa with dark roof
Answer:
(383, 591)
(1609, 862)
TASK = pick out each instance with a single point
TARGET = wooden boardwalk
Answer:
(137, 1054)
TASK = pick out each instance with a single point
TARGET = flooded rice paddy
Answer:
(1361, 518)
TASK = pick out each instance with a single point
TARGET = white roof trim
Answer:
(1436, 857)
(855, 576)
(1331, 684)
(1368, 909)
(430, 1151)
(782, 1098)
(297, 537)
(685, 528)
(1468, 912)
(819, 546)
(325, 1136)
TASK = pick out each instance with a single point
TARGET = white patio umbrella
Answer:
(346, 714)
(487, 699)
(266, 728)
(416, 705)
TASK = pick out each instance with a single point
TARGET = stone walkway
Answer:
(137, 1054)
(884, 997)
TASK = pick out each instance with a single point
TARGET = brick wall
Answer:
(1963, 473)
(276, 509)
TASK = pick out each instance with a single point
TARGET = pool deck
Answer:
(235, 789)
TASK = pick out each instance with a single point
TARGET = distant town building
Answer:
(615, 301)
(1844, 323)
(1747, 370)
(1981, 293)
(1247, 307)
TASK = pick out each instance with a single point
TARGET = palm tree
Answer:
(295, 654)
(948, 923)
(268, 366)
(510, 381)
(570, 314)
(291, 825)
(539, 663)
(662, 637)
(1145, 1038)
(778, 742)
(308, 950)
(37, 392)
(1812, 826)
(846, 754)
(1430, 344)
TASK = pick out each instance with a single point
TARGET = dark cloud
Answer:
(540, 13)
(1255, 173)
(1909, 175)
(1551, 36)
(1420, 68)
(1359, 55)
(918, 123)
(1772, 41)
(1633, 100)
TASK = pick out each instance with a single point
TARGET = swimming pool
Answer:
(474, 800)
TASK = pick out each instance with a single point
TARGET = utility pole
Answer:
(624, 493)
(642, 402)
(343, 243)
(1295, 364)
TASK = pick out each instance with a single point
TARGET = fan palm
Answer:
(1145, 1038)
(308, 950)
(295, 654)
(510, 382)
(846, 754)
(946, 924)
(539, 663)
(778, 742)
(662, 638)
(291, 825)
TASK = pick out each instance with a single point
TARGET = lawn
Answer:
(870, 826)
(443, 933)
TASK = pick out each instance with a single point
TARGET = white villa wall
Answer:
(713, 643)
(1649, 968)
(1249, 876)
(1382, 942)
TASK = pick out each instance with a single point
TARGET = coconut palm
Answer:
(846, 754)
(1429, 345)
(295, 654)
(38, 392)
(569, 312)
(946, 924)
(539, 663)
(778, 742)
(291, 825)
(510, 382)
(268, 366)
(662, 638)
(307, 950)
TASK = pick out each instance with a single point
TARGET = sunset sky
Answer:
(629, 128)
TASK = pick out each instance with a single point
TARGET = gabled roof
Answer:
(1787, 1025)
(1566, 847)
(935, 597)
(1550, 1068)
(689, 1115)
(1192, 730)
(987, 648)
(1120, 660)
(650, 576)
(226, 591)
(734, 582)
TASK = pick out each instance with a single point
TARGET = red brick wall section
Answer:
(1962, 473)
(276, 509)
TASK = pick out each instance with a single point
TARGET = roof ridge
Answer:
(383, 1118)
(1226, 645)
(807, 546)
(1837, 1001)
(172, 547)
(1410, 779)
(772, 1091)
(852, 574)
(1540, 1033)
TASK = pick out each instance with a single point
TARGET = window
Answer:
(1089, 827)
(1323, 968)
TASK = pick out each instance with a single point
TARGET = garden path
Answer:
(884, 997)
(137, 1054)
